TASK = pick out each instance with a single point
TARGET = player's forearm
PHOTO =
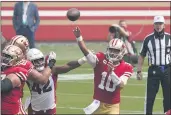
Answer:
(69, 66)
(46, 73)
(123, 32)
(82, 46)
(120, 82)
(40, 78)
(121, 85)
(140, 63)
(75, 64)
(123, 82)
(48, 70)
(91, 58)
(66, 68)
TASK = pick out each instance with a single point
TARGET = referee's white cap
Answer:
(159, 19)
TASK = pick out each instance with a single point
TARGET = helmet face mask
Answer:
(6, 59)
(37, 58)
(116, 50)
(39, 64)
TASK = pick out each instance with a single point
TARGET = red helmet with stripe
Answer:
(116, 50)
(21, 42)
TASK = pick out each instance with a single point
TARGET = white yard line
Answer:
(76, 81)
(81, 94)
(87, 76)
(130, 97)
(122, 111)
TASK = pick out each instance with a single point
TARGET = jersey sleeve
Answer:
(26, 65)
(128, 70)
(100, 56)
(22, 74)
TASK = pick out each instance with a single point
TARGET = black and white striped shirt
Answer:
(158, 49)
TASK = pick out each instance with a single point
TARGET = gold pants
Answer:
(105, 108)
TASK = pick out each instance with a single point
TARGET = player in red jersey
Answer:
(13, 80)
(34, 75)
(110, 75)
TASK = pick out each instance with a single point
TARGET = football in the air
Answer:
(73, 14)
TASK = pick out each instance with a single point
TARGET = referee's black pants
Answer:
(157, 75)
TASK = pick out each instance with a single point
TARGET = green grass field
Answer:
(74, 95)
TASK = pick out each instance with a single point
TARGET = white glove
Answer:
(52, 55)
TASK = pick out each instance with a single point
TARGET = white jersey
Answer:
(43, 96)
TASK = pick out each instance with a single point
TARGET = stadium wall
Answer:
(96, 17)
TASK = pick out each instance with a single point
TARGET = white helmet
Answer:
(37, 58)
(116, 50)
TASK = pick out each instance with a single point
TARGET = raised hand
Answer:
(50, 59)
(52, 55)
(77, 32)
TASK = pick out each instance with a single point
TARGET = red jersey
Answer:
(26, 65)
(104, 89)
(11, 101)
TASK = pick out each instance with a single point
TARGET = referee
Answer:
(158, 47)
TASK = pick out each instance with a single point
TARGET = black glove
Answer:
(51, 59)
(51, 63)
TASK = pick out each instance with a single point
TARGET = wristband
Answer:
(82, 60)
(51, 63)
(79, 38)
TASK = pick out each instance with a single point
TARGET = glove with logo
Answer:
(50, 59)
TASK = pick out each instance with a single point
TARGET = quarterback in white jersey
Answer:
(43, 97)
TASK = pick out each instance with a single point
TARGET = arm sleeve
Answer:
(127, 74)
(92, 59)
(6, 85)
